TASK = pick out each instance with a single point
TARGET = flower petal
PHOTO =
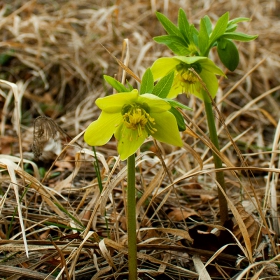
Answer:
(155, 103)
(163, 66)
(211, 83)
(174, 91)
(115, 102)
(129, 141)
(210, 66)
(167, 129)
(100, 131)
(191, 59)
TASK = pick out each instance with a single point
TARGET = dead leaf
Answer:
(65, 164)
(178, 214)
(6, 144)
(2, 235)
(45, 234)
(252, 226)
(86, 216)
(205, 198)
(190, 133)
(115, 217)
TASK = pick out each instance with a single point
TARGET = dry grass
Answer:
(55, 224)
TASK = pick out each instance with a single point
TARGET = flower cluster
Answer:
(132, 117)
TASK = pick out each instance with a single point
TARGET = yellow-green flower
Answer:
(190, 75)
(132, 118)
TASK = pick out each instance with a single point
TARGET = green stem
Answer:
(131, 219)
(217, 161)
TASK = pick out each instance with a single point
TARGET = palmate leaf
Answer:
(184, 26)
(147, 84)
(177, 104)
(119, 87)
(238, 36)
(179, 119)
(203, 36)
(220, 28)
(228, 53)
(237, 20)
(168, 25)
(208, 24)
(175, 43)
(231, 28)
(194, 34)
(164, 85)
(232, 24)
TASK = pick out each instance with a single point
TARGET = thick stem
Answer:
(217, 161)
(131, 219)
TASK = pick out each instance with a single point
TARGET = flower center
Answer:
(137, 117)
(187, 78)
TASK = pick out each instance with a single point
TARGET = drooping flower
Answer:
(132, 118)
(192, 75)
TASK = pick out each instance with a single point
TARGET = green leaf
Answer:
(119, 87)
(147, 84)
(167, 39)
(208, 24)
(60, 207)
(169, 26)
(220, 28)
(231, 28)
(232, 24)
(184, 25)
(228, 54)
(194, 34)
(237, 20)
(164, 85)
(179, 119)
(178, 45)
(177, 104)
(129, 86)
(238, 36)
(203, 37)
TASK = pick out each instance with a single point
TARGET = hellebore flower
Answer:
(132, 118)
(190, 73)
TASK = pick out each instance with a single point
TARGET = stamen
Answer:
(189, 77)
(186, 78)
(136, 117)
